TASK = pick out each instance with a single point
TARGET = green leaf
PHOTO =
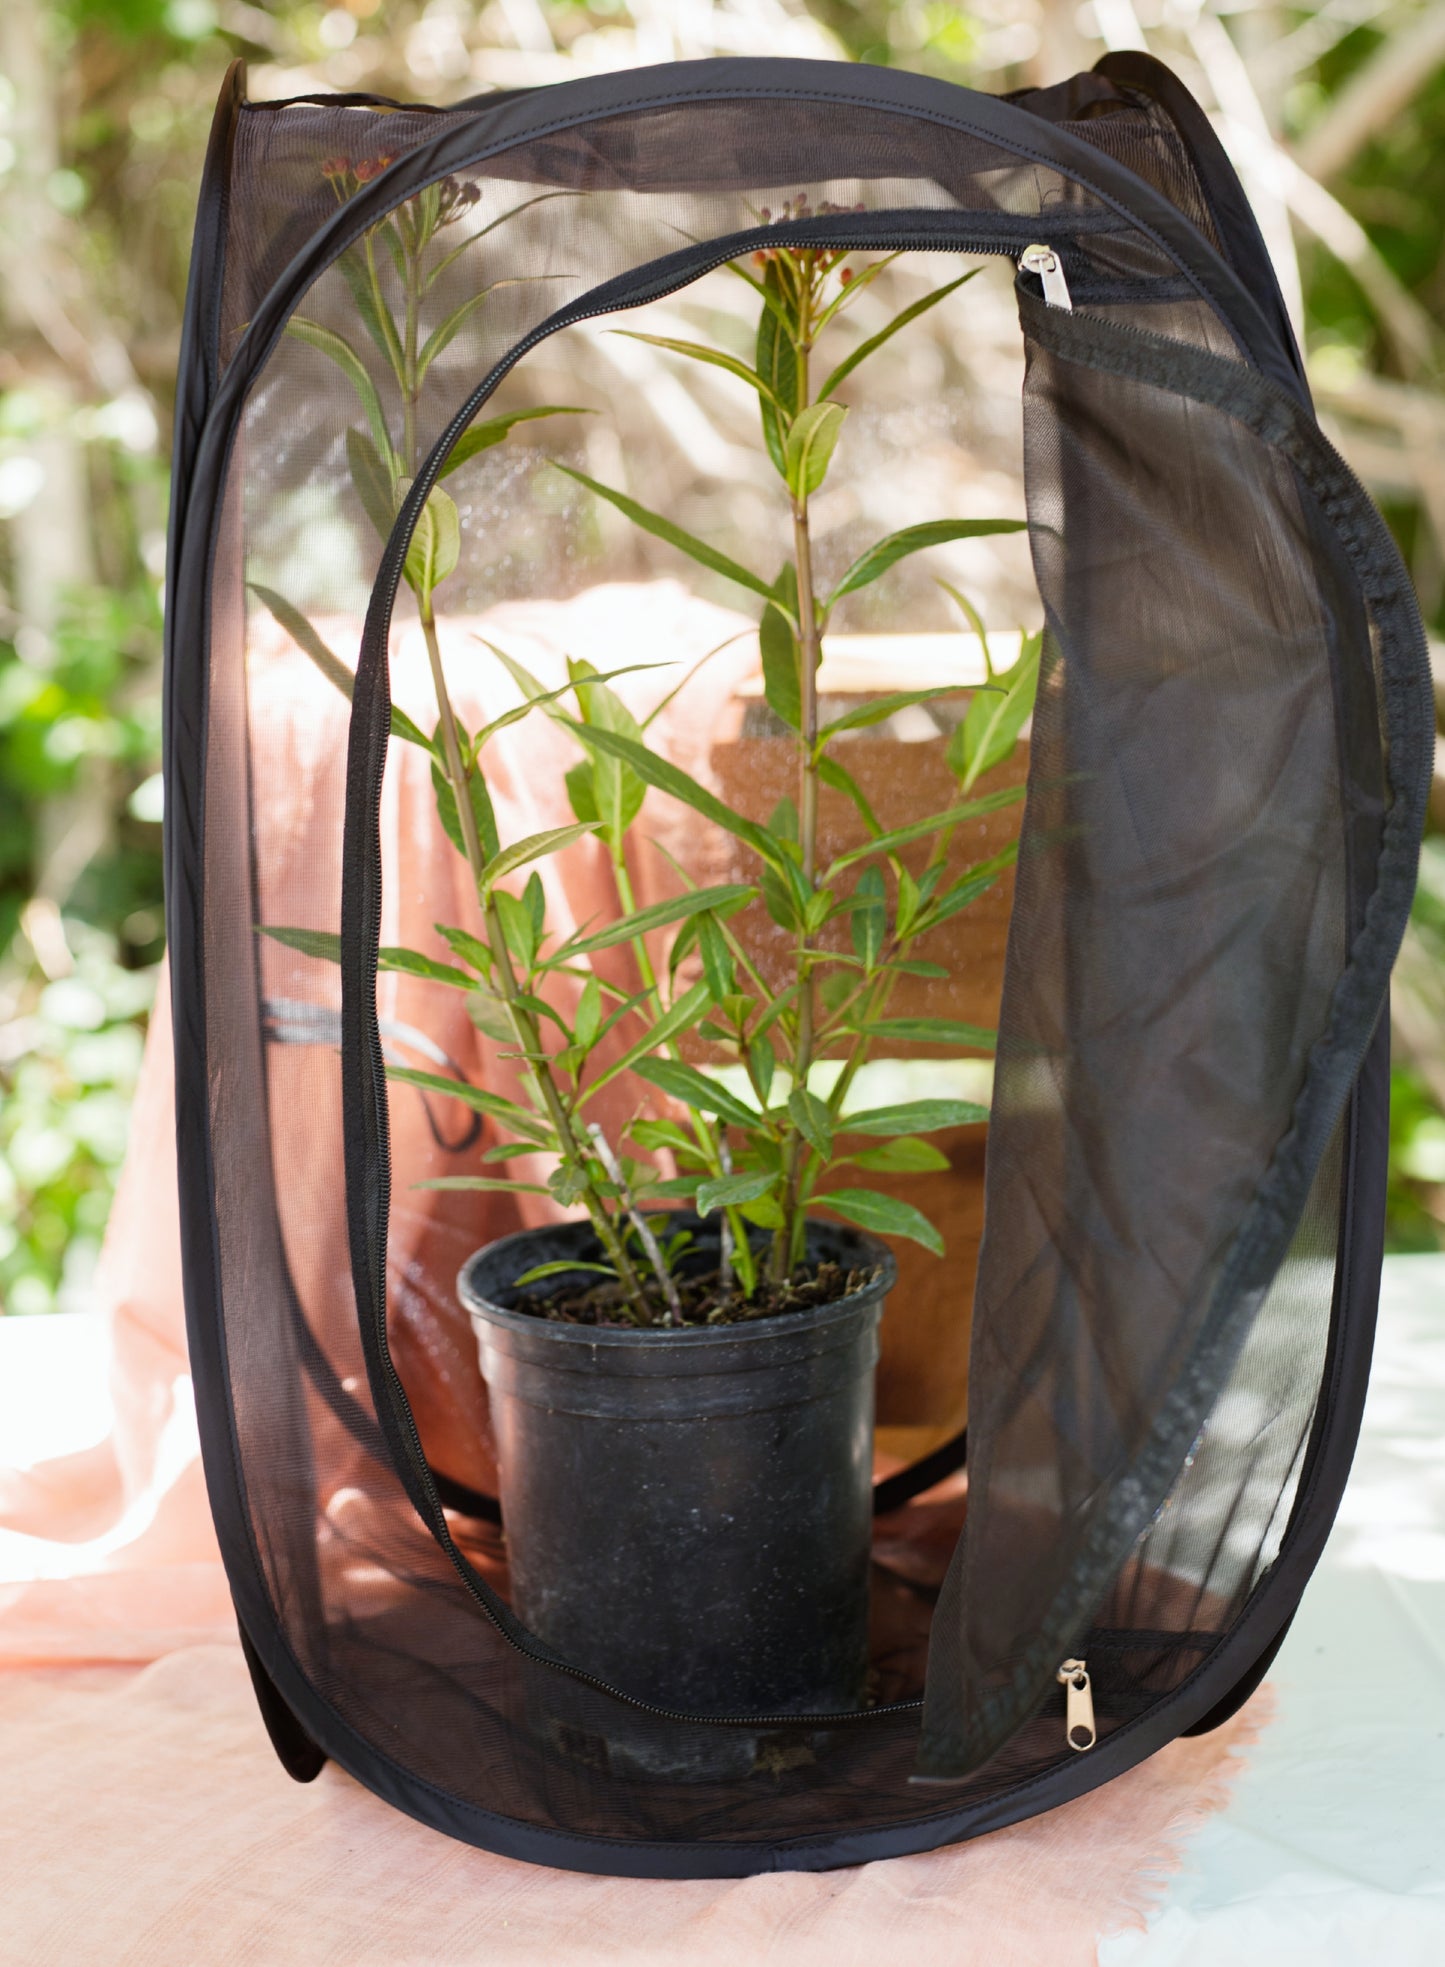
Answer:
(783, 821)
(518, 930)
(726, 898)
(480, 437)
(493, 1185)
(320, 943)
(481, 800)
(717, 958)
(887, 843)
(727, 1191)
(908, 901)
(860, 354)
(541, 699)
(931, 1031)
(436, 545)
(683, 1187)
(507, 1112)
(667, 777)
(915, 1116)
(325, 946)
(976, 882)
(618, 791)
(330, 665)
(764, 1062)
(811, 1118)
(589, 1013)
(328, 342)
(870, 920)
(782, 656)
(582, 795)
(846, 295)
(810, 446)
(489, 1013)
(905, 1156)
(974, 620)
(992, 723)
(462, 943)
(535, 847)
(678, 1017)
(912, 539)
(374, 316)
(879, 709)
(373, 482)
(695, 1089)
(766, 1212)
(306, 638)
(778, 899)
(819, 910)
(402, 727)
(412, 963)
(446, 331)
(777, 363)
(885, 1215)
(561, 1269)
(568, 1184)
(652, 1134)
(716, 357)
(663, 529)
(833, 774)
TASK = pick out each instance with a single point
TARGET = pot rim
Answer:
(483, 1311)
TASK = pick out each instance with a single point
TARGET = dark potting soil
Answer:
(703, 1303)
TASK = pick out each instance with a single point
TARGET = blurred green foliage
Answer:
(131, 84)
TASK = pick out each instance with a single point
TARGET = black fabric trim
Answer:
(506, 122)
(1231, 211)
(1358, 999)
(298, 1755)
(896, 1490)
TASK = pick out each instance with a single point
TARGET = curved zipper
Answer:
(632, 291)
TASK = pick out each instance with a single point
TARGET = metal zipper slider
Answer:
(1045, 262)
(1079, 1730)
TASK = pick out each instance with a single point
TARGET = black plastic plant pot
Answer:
(688, 1511)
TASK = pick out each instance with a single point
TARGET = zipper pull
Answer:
(1079, 1730)
(1045, 262)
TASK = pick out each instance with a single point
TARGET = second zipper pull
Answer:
(1079, 1729)
(1045, 262)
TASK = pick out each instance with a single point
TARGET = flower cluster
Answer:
(454, 196)
(346, 178)
(795, 209)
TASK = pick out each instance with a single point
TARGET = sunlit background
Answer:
(1335, 118)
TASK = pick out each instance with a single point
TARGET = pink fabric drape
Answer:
(147, 1820)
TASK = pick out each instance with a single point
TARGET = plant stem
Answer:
(725, 1231)
(529, 1035)
(409, 387)
(703, 1134)
(645, 1236)
(788, 1241)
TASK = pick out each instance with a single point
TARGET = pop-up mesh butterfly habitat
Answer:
(600, 1001)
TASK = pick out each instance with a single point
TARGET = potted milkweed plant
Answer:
(681, 1371)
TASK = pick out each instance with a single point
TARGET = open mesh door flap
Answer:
(1208, 902)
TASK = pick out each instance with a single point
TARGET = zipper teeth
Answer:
(401, 1406)
(421, 489)
(389, 574)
